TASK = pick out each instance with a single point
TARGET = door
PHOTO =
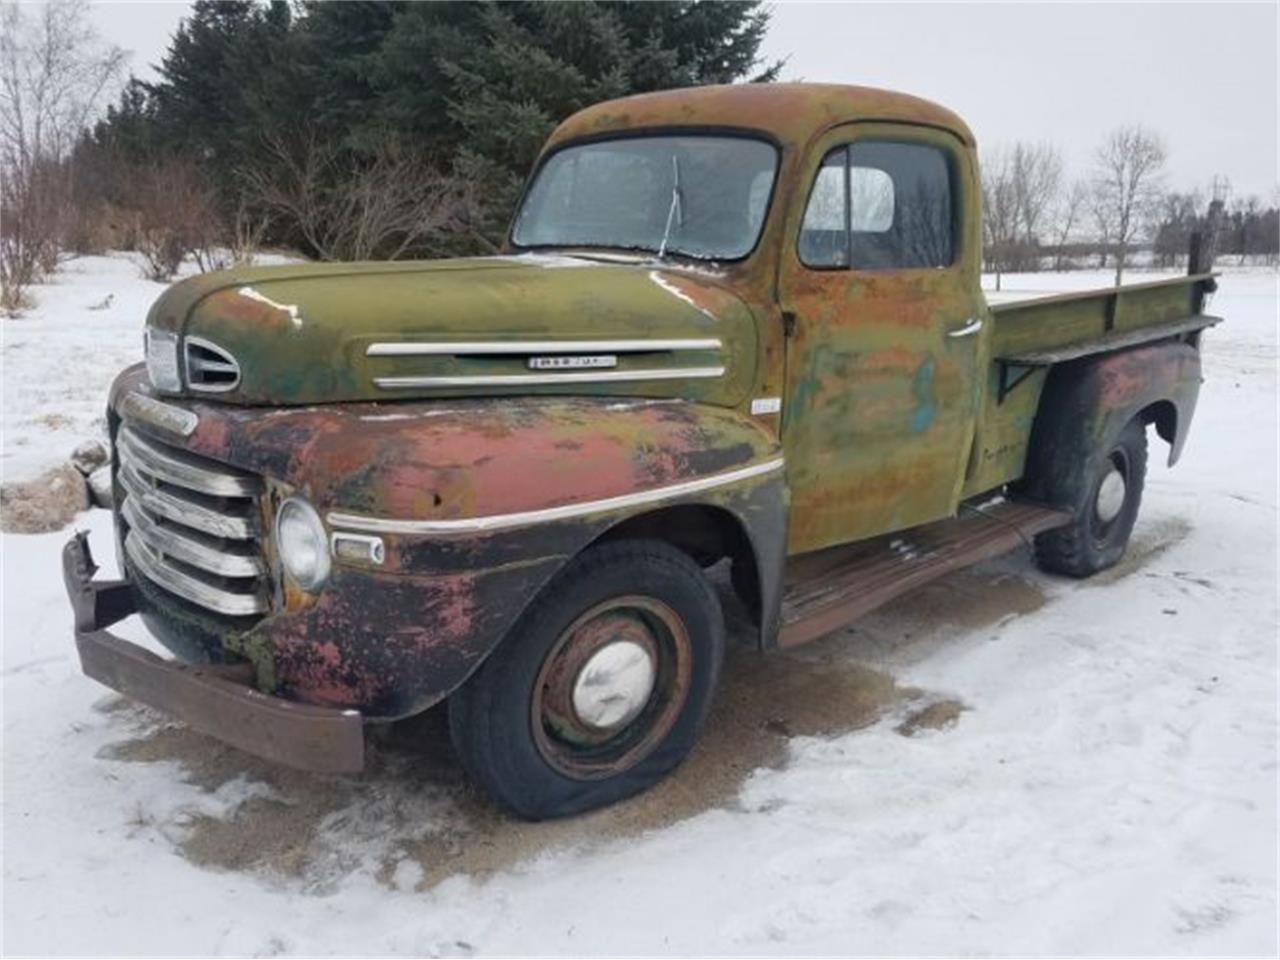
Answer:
(879, 282)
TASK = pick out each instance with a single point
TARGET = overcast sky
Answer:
(1204, 76)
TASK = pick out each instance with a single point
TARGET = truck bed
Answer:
(1030, 336)
(1050, 329)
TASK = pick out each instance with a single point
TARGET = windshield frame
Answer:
(636, 133)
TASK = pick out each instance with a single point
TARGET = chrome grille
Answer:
(193, 525)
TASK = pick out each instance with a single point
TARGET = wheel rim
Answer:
(1112, 492)
(612, 686)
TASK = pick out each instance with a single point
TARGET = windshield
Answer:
(699, 196)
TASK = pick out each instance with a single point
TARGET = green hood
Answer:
(490, 326)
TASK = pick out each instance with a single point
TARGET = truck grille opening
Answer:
(209, 367)
(192, 525)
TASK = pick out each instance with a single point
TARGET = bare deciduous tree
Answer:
(54, 73)
(1126, 188)
(1000, 211)
(245, 234)
(1020, 185)
(177, 217)
(1036, 169)
(381, 206)
(1243, 220)
(1067, 214)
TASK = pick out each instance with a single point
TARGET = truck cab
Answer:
(738, 323)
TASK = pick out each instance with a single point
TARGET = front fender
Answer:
(478, 503)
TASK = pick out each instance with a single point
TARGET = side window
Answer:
(897, 203)
(824, 238)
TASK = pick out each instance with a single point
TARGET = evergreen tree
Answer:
(470, 88)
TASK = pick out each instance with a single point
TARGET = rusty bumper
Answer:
(213, 699)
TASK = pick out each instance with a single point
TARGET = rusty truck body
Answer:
(739, 322)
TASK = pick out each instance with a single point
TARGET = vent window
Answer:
(209, 367)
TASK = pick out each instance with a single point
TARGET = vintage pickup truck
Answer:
(736, 323)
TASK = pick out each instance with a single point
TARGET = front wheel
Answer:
(602, 687)
(1104, 492)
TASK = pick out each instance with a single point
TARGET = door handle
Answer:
(970, 328)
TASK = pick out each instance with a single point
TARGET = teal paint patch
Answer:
(803, 393)
(926, 400)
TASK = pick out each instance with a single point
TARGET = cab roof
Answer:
(791, 112)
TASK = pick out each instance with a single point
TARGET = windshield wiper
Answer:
(677, 203)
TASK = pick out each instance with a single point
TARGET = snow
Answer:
(1108, 785)
(60, 358)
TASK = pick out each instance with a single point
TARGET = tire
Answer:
(559, 719)
(1103, 514)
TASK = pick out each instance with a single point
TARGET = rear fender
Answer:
(1089, 400)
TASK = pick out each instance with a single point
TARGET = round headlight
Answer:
(303, 546)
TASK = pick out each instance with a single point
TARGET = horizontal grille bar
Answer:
(192, 525)
(190, 547)
(185, 470)
(169, 576)
(184, 509)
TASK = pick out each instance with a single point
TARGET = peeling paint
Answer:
(289, 308)
(675, 291)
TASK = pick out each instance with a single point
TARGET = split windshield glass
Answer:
(696, 196)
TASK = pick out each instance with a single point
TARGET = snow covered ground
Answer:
(1108, 785)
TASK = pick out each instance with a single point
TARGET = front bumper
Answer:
(214, 699)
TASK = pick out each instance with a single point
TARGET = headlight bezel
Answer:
(160, 349)
(298, 527)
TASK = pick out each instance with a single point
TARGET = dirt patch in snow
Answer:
(414, 803)
(412, 819)
(936, 716)
(763, 703)
(969, 600)
(1150, 539)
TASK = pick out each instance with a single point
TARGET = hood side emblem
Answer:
(597, 362)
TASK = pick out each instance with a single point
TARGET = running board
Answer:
(831, 588)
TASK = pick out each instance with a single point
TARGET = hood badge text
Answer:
(596, 362)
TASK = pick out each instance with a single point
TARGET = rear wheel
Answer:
(1104, 492)
(602, 687)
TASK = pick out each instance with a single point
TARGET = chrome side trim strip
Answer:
(170, 542)
(183, 469)
(188, 587)
(506, 347)
(543, 379)
(182, 510)
(504, 521)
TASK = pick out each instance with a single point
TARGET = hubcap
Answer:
(611, 687)
(614, 685)
(1111, 493)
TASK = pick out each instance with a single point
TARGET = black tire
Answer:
(510, 722)
(1096, 538)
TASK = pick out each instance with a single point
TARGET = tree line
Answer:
(385, 129)
(363, 129)
(1037, 218)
